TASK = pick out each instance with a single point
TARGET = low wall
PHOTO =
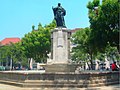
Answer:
(83, 79)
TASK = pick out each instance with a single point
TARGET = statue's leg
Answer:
(59, 21)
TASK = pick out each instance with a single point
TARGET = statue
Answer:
(59, 13)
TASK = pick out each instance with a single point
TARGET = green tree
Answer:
(14, 52)
(37, 43)
(112, 53)
(3, 53)
(17, 54)
(104, 22)
(84, 49)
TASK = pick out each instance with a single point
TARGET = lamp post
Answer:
(11, 63)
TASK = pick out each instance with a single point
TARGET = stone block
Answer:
(60, 68)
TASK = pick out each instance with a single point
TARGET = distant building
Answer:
(74, 30)
(8, 41)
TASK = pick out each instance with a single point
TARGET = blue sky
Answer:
(18, 16)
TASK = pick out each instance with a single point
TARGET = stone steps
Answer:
(60, 79)
(37, 83)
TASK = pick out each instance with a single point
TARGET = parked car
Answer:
(2, 68)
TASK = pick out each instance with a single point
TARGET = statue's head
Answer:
(59, 4)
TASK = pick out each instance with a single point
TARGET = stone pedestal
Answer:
(60, 47)
(60, 52)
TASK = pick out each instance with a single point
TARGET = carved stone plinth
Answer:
(60, 47)
(60, 52)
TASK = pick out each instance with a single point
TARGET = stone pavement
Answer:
(111, 87)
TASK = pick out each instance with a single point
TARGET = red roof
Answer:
(7, 41)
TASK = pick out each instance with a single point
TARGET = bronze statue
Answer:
(59, 13)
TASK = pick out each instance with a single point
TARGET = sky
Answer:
(18, 16)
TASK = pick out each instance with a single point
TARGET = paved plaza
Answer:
(111, 87)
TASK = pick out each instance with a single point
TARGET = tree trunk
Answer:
(89, 67)
(91, 57)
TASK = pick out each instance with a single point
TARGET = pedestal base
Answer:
(60, 68)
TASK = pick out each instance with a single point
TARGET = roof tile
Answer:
(7, 41)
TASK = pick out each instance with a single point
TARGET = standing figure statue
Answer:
(59, 13)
